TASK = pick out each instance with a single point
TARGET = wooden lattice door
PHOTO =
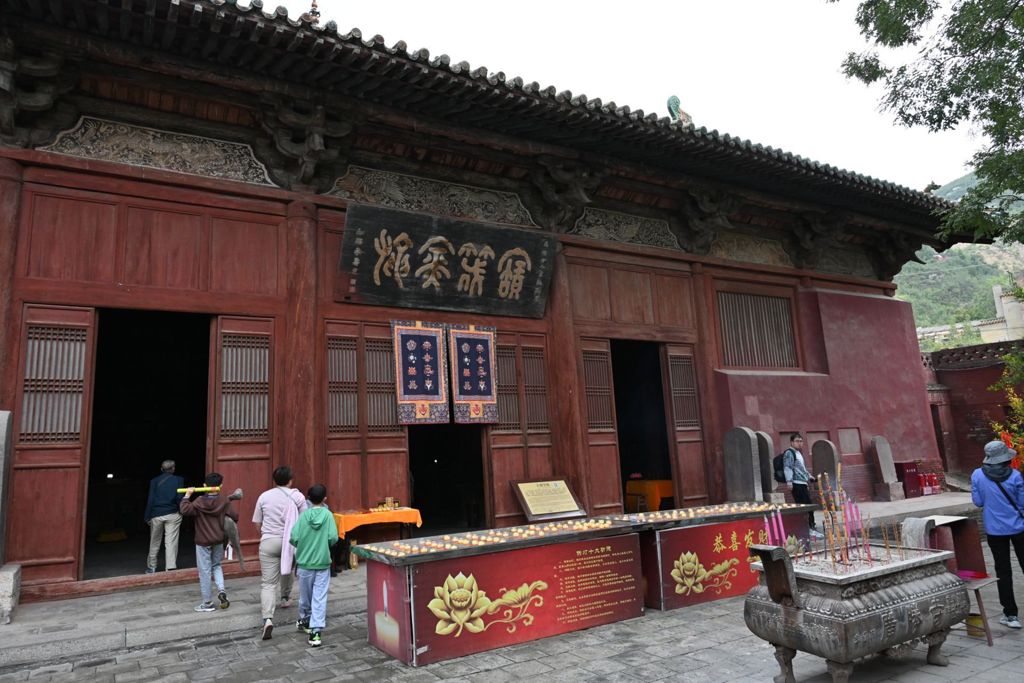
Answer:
(242, 411)
(602, 462)
(51, 454)
(686, 437)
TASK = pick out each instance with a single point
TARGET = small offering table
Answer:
(349, 520)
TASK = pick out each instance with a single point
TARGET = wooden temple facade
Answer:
(193, 163)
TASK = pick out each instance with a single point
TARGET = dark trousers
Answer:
(1000, 546)
(802, 495)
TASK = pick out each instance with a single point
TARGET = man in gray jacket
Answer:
(163, 517)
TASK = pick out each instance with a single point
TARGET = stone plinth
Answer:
(742, 465)
(10, 590)
(889, 491)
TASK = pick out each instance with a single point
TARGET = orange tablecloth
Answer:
(653, 490)
(347, 521)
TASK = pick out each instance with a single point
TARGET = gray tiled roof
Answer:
(274, 44)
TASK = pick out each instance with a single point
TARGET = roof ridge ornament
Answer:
(677, 113)
(313, 15)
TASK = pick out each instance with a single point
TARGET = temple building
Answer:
(213, 218)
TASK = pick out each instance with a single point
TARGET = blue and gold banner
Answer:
(474, 384)
(420, 380)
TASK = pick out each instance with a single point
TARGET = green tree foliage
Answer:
(966, 65)
(952, 287)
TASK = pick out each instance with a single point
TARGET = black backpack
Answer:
(779, 467)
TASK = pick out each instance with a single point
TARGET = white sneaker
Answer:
(1011, 622)
(268, 629)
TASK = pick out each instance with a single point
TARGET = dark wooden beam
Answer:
(149, 22)
(102, 17)
(125, 19)
(170, 23)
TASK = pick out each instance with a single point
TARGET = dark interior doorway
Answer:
(149, 405)
(446, 463)
(640, 413)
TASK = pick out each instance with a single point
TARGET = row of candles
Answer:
(845, 535)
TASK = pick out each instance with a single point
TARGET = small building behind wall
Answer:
(187, 169)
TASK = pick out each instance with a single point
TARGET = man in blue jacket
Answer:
(999, 491)
(162, 516)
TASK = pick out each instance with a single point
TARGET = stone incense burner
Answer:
(848, 612)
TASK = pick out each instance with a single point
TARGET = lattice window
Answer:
(685, 410)
(381, 404)
(508, 390)
(342, 386)
(757, 330)
(51, 408)
(535, 386)
(245, 387)
(597, 374)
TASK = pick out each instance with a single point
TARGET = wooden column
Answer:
(10, 200)
(568, 436)
(711, 409)
(299, 408)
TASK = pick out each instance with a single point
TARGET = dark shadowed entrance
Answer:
(149, 405)
(446, 463)
(640, 412)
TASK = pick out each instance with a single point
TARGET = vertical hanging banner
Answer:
(474, 385)
(420, 383)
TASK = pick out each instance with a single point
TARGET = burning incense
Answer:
(768, 530)
(885, 538)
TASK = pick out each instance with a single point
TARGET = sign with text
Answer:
(397, 258)
(471, 604)
(695, 564)
(546, 499)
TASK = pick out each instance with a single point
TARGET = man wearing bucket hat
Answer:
(998, 490)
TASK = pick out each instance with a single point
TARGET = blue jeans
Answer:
(313, 585)
(208, 561)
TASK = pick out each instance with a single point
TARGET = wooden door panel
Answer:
(46, 533)
(508, 464)
(387, 474)
(674, 297)
(686, 435)
(50, 461)
(605, 487)
(72, 239)
(244, 256)
(162, 248)
(588, 290)
(243, 372)
(539, 462)
(602, 469)
(631, 298)
(344, 481)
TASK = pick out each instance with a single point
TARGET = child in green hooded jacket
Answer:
(313, 535)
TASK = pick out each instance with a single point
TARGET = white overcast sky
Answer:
(763, 70)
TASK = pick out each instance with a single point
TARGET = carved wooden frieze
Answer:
(612, 226)
(845, 262)
(413, 193)
(737, 246)
(559, 190)
(105, 140)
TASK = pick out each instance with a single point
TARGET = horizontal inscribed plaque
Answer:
(397, 258)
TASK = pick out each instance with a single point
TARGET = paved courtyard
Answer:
(707, 643)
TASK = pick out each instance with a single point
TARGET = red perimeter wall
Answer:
(862, 378)
(974, 408)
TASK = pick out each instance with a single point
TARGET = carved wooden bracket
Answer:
(808, 239)
(31, 110)
(895, 250)
(560, 191)
(702, 214)
(308, 145)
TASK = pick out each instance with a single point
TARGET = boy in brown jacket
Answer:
(209, 511)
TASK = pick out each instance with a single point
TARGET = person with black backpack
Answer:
(796, 473)
(998, 490)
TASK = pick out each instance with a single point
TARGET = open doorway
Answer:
(640, 422)
(446, 463)
(149, 405)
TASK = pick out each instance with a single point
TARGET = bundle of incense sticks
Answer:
(201, 489)
(845, 535)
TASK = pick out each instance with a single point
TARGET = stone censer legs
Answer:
(840, 672)
(935, 641)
